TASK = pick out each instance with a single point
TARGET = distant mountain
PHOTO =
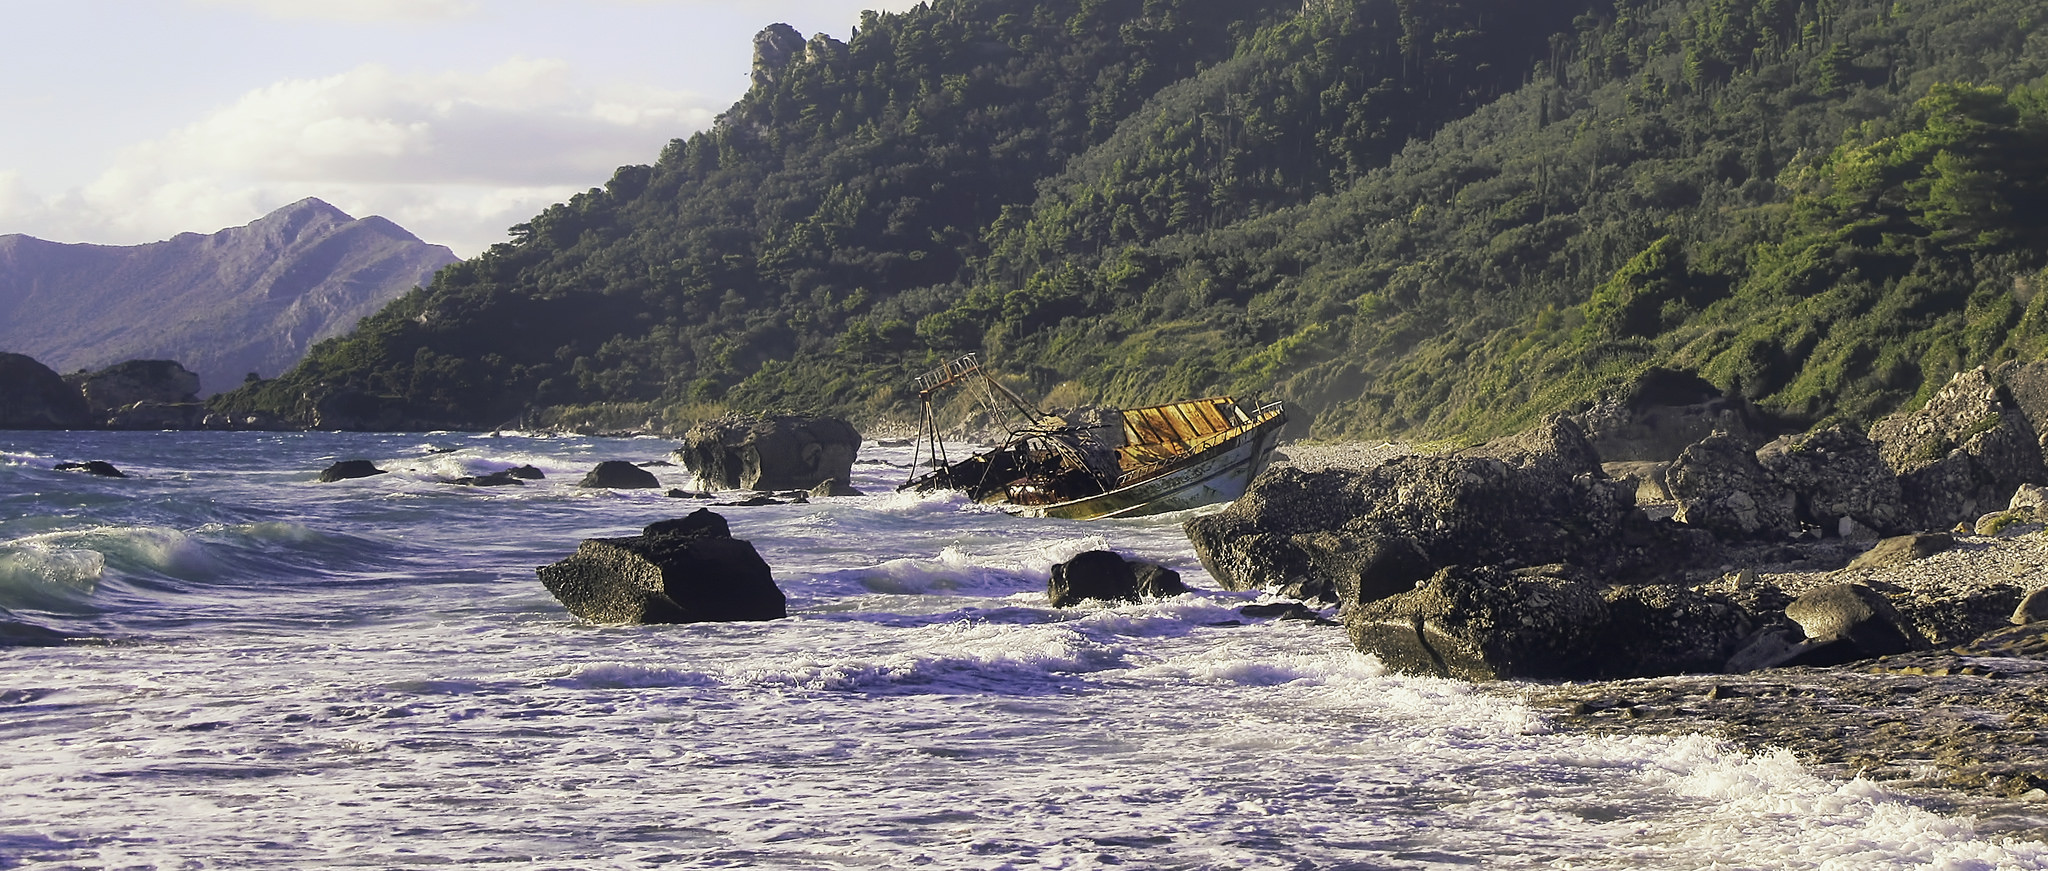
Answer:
(245, 299)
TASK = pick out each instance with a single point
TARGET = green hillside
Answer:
(1430, 219)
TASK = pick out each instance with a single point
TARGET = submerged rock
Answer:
(101, 468)
(688, 570)
(348, 469)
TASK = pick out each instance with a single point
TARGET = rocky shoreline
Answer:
(1960, 729)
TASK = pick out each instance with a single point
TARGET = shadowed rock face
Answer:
(1962, 454)
(781, 452)
(32, 396)
(245, 299)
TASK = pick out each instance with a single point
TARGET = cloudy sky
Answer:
(130, 121)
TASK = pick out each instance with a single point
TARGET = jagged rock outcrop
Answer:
(141, 394)
(1962, 454)
(1838, 480)
(1720, 487)
(775, 48)
(688, 570)
(33, 396)
(779, 452)
(1104, 576)
(245, 299)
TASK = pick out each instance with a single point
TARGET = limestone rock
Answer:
(619, 475)
(34, 397)
(780, 452)
(689, 570)
(1903, 549)
(1962, 453)
(1837, 474)
(348, 469)
(1856, 621)
(1484, 623)
(1720, 487)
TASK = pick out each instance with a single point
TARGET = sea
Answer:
(217, 662)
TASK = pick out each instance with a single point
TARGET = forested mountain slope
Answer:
(1413, 218)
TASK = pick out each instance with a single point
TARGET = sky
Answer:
(130, 121)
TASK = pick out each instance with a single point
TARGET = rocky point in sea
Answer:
(1659, 562)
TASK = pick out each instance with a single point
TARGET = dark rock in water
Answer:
(1902, 549)
(1720, 487)
(1854, 621)
(836, 488)
(525, 473)
(1962, 454)
(1485, 623)
(1102, 575)
(688, 570)
(347, 469)
(1282, 611)
(494, 479)
(770, 453)
(619, 475)
(679, 493)
(755, 502)
(101, 468)
(1838, 480)
(655, 464)
(34, 397)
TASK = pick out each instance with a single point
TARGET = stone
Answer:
(1663, 629)
(1902, 549)
(1857, 621)
(150, 414)
(2032, 609)
(525, 473)
(2007, 523)
(32, 396)
(1836, 474)
(100, 468)
(1105, 576)
(1483, 623)
(1720, 487)
(1281, 611)
(1643, 478)
(349, 469)
(494, 479)
(780, 452)
(1659, 414)
(687, 570)
(619, 475)
(1962, 454)
(836, 488)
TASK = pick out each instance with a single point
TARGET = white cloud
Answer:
(454, 157)
(367, 11)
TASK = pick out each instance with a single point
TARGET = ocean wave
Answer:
(42, 575)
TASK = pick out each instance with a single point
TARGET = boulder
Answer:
(347, 469)
(836, 488)
(1720, 487)
(1105, 576)
(2032, 609)
(101, 468)
(525, 473)
(1658, 415)
(1848, 622)
(1961, 454)
(1535, 499)
(160, 382)
(770, 453)
(688, 570)
(34, 397)
(1662, 629)
(494, 479)
(1484, 623)
(619, 475)
(1836, 474)
(1902, 549)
